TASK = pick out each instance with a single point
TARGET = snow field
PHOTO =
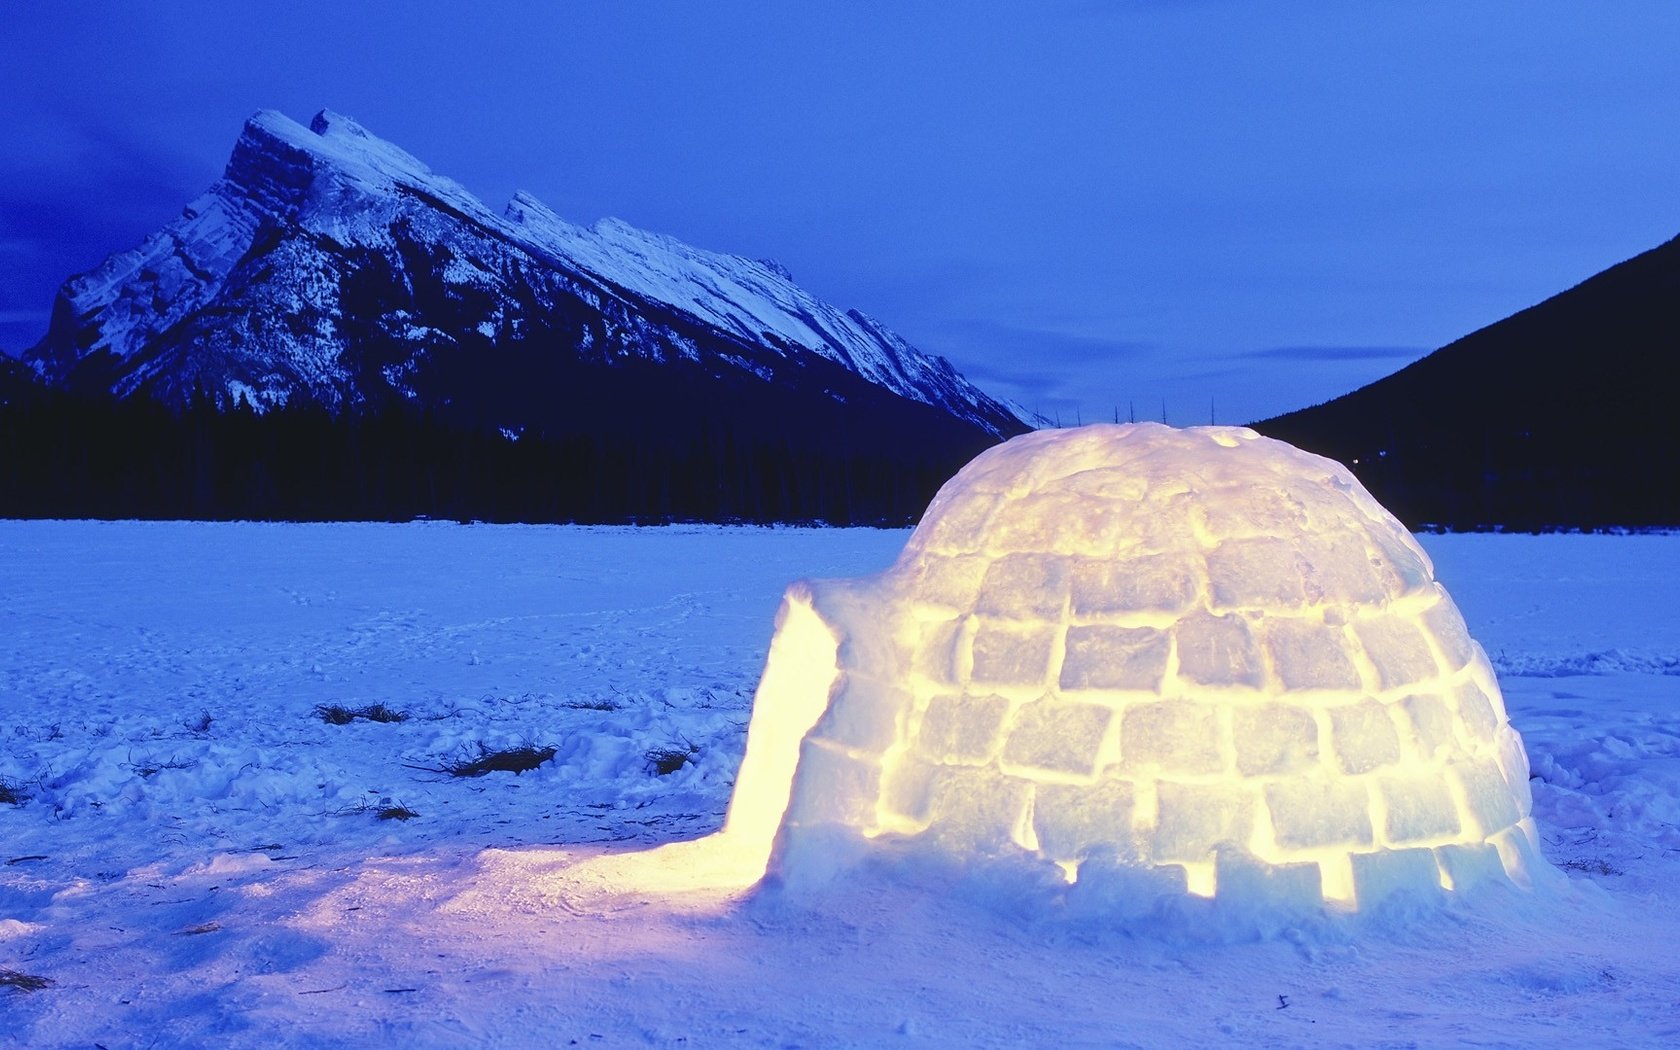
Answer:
(231, 883)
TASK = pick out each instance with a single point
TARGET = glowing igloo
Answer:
(1202, 655)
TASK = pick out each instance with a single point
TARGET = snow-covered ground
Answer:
(198, 858)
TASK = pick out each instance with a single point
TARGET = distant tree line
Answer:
(1478, 478)
(1559, 416)
(82, 456)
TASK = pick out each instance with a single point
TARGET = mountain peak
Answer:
(336, 145)
(328, 122)
(324, 240)
(525, 209)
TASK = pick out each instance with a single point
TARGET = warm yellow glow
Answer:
(1200, 878)
(793, 693)
(1165, 646)
(1335, 877)
(1445, 876)
(1023, 834)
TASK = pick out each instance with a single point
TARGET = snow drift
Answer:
(142, 829)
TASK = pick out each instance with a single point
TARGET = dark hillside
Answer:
(1562, 415)
(94, 456)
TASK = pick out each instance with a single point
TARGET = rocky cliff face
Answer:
(327, 265)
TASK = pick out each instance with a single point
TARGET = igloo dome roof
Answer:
(1202, 655)
(1263, 522)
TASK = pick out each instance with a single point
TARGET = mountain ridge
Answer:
(1558, 415)
(332, 331)
(314, 201)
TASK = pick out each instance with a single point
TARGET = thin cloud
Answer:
(1033, 366)
(1340, 353)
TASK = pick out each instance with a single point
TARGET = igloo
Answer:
(1201, 656)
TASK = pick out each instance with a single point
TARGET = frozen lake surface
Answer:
(196, 857)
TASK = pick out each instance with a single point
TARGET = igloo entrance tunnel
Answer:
(1201, 655)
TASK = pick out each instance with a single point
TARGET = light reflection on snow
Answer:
(466, 927)
(1198, 654)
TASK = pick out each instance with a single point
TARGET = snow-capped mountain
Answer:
(329, 265)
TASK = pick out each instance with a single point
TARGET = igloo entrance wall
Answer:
(1201, 655)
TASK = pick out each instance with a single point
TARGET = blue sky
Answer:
(1232, 208)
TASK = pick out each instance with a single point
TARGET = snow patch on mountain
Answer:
(245, 292)
(753, 299)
